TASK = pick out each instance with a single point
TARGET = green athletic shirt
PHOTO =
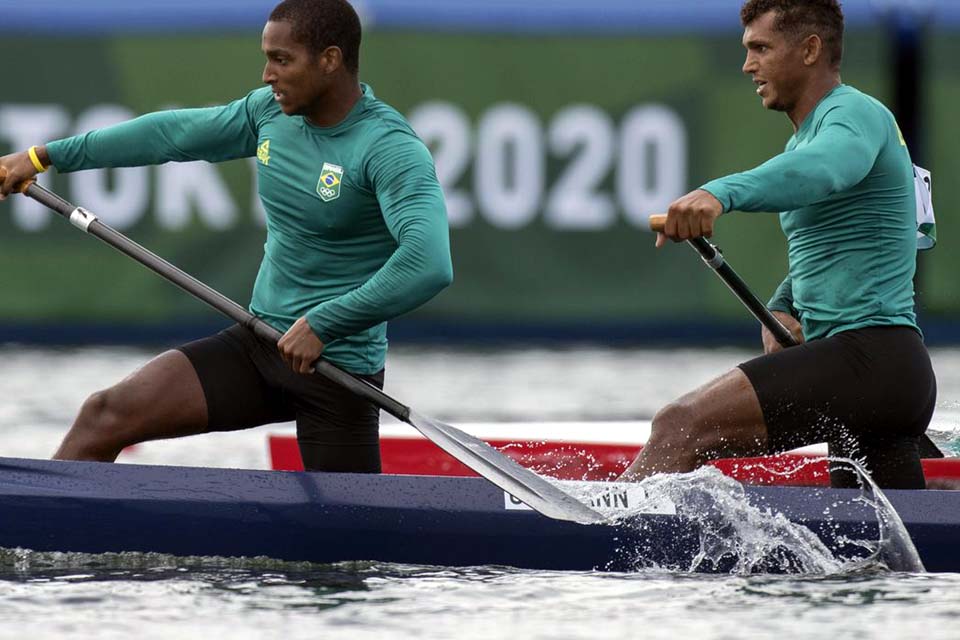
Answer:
(356, 222)
(845, 190)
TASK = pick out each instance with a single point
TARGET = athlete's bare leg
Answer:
(720, 419)
(162, 399)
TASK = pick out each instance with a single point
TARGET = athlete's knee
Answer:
(683, 427)
(672, 421)
(102, 416)
(674, 428)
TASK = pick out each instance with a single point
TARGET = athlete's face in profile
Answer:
(298, 76)
(774, 63)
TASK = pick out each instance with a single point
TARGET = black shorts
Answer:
(247, 384)
(869, 393)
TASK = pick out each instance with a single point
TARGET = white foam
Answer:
(738, 535)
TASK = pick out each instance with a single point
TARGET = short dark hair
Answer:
(801, 18)
(319, 24)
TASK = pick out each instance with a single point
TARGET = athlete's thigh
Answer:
(849, 387)
(895, 387)
(725, 416)
(798, 389)
(240, 378)
(162, 399)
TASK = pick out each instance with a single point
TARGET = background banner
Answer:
(553, 148)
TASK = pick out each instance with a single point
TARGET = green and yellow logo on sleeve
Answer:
(263, 153)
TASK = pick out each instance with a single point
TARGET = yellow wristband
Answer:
(35, 159)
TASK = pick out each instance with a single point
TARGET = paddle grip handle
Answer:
(658, 222)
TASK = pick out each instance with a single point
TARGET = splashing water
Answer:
(895, 548)
(739, 537)
(734, 532)
(944, 428)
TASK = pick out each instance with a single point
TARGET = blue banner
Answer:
(494, 16)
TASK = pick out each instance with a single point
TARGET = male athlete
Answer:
(862, 381)
(356, 234)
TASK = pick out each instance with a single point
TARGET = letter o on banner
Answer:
(653, 162)
(509, 175)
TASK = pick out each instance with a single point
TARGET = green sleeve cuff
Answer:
(318, 329)
(54, 152)
(782, 299)
(721, 193)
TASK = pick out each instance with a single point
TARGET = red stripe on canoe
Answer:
(587, 461)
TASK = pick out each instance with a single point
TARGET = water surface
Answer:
(44, 595)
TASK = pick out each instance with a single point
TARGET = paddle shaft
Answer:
(86, 221)
(714, 259)
(502, 471)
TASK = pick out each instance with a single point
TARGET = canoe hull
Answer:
(326, 517)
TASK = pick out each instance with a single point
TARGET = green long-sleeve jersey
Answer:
(356, 223)
(844, 187)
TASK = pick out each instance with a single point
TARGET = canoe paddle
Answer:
(520, 482)
(714, 259)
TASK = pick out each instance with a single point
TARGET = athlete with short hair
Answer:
(356, 234)
(862, 381)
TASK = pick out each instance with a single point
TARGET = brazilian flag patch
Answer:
(328, 187)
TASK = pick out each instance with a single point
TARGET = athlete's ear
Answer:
(330, 60)
(812, 49)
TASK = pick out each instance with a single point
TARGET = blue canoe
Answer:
(329, 517)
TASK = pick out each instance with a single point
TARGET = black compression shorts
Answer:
(247, 384)
(869, 393)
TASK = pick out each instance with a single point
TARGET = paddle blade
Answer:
(523, 484)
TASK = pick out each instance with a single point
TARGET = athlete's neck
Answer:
(813, 94)
(336, 105)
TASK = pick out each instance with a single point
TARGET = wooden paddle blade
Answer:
(523, 484)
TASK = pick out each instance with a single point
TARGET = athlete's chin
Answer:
(773, 104)
(288, 106)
